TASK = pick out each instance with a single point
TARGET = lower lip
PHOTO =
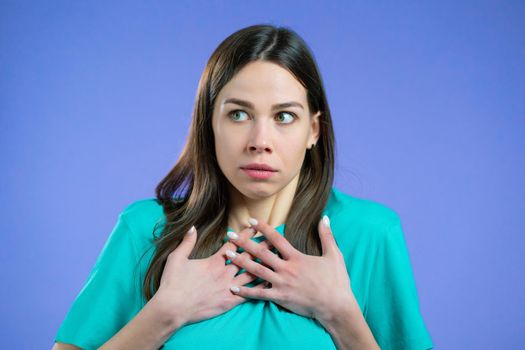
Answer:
(259, 174)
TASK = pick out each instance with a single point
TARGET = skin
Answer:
(262, 135)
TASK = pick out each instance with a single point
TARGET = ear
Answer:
(314, 129)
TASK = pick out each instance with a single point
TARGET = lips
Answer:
(258, 166)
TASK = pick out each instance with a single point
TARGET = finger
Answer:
(234, 268)
(263, 245)
(254, 268)
(239, 299)
(328, 243)
(243, 278)
(246, 232)
(258, 292)
(262, 284)
(259, 250)
(247, 277)
(187, 244)
(285, 248)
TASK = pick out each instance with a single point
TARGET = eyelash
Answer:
(290, 113)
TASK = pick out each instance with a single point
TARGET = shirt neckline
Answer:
(279, 229)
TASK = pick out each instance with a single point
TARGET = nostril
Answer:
(260, 149)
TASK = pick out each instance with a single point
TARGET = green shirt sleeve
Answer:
(393, 308)
(109, 298)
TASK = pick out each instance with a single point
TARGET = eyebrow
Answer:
(274, 107)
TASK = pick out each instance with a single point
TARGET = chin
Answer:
(259, 193)
(257, 190)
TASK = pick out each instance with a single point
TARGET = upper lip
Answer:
(258, 166)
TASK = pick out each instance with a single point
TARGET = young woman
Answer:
(252, 246)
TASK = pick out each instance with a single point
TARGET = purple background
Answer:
(428, 105)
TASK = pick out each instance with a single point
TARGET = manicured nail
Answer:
(326, 221)
(231, 254)
(235, 289)
(232, 235)
(191, 230)
(252, 221)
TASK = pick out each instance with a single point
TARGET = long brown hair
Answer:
(195, 191)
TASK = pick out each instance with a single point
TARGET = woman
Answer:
(256, 249)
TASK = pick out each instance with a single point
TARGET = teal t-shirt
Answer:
(369, 235)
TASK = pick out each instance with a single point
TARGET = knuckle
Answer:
(241, 259)
(259, 251)
(259, 270)
(246, 255)
(284, 296)
(288, 270)
(241, 240)
(230, 269)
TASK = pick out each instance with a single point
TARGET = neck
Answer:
(273, 209)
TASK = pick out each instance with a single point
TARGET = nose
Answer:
(259, 141)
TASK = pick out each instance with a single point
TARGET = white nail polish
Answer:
(326, 221)
(231, 254)
(252, 221)
(235, 289)
(232, 235)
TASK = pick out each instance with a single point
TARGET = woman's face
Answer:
(248, 128)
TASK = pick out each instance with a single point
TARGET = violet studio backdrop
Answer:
(428, 105)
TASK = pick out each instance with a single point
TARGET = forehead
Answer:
(263, 82)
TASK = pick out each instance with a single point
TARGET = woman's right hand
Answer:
(196, 289)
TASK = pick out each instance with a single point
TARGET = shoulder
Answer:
(142, 209)
(360, 211)
(143, 215)
(359, 217)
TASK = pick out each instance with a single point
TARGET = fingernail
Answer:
(235, 289)
(232, 235)
(191, 230)
(252, 221)
(326, 221)
(231, 254)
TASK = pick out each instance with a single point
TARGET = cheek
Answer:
(227, 150)
(292, 151)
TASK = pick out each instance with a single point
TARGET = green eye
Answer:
(234, 115)
(290, 119)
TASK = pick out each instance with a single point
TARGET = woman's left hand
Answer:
(312, 286)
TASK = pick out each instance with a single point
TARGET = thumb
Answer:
(188, 243)
(328, 243)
